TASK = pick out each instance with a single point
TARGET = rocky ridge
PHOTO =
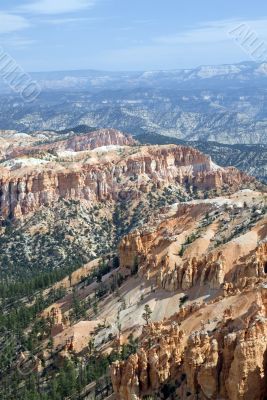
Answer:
(224, 358)
(191, 242)
(75, 143)
(215, 347)
(104, 173)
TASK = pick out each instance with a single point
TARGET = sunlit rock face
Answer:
(97, 167)
(229, 363)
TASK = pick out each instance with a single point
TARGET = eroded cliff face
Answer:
(155, 363)
(214, 347)
(89, 141)
(201, 244)
(192, 248)
(102, 177)
(227, 363)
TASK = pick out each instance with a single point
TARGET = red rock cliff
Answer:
(25, 189)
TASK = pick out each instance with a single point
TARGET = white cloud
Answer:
(212, 32)
(70, 20)
(16, 42)
(12, 23)
(207, 43)
(62, 21)
(56, 6)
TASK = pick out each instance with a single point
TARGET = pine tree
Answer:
(147, 314)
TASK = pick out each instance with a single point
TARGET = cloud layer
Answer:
(213, 32)
(12, 23)
(56, 6)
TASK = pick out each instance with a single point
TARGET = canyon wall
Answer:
(89, 141)
(229, 363)
(25, 189)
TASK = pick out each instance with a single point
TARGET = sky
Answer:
(51, 35)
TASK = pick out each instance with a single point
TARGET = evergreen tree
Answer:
(147, 314)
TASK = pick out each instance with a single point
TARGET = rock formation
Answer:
(212, 349)
(228, 363)
(181, 252)
(186, 294)
(25, 189)
(89, 141)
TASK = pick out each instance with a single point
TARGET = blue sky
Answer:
(45, 35)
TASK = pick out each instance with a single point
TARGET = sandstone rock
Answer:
(24, 190)
(228, 363)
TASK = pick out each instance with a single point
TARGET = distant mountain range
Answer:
(203, 77)
(225, 104)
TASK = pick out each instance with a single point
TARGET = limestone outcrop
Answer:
(214, 254)
(226, 363)
(157, 361)
(137, 170)
(185, 249)
(89, 141)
